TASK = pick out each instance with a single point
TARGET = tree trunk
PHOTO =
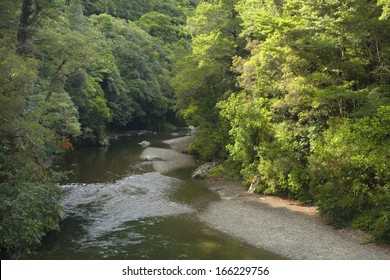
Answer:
(24, 31)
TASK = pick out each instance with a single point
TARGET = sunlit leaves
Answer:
(312, 62)
(353, 159)
(386, 8)
(65, 79)
(203, 77)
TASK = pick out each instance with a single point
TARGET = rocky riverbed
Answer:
(166, 160)
(284, 227)
(280, 226)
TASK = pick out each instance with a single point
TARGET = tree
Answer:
(350, 173)
(316, 73)
(142, 71)
(29, 194)
(66, 79)
(31, 15)
(159, 25)
(204, 77)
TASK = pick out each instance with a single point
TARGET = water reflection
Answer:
(118, 209)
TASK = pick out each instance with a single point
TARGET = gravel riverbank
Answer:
(277, 225)
(170, 159)
(284, 227)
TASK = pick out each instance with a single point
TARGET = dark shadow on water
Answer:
(153, 237)
(165, 238)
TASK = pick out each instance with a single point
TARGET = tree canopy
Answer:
(71, 71)
(294, 95)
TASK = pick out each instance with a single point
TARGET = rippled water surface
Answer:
(119, 208)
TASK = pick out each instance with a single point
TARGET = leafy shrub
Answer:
(350, 173)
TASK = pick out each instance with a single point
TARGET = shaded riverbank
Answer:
(281, 226)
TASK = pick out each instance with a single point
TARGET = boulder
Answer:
(104, 140)
(153, 158)
(191, 130)
(204, 170)
(144, 144)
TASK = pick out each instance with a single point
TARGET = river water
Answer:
(119, 208)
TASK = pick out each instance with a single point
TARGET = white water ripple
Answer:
(108, 206)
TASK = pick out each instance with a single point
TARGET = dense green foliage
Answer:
(70, 72)
(203, 75)
(305, 104)
(295, 94)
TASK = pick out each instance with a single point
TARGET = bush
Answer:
(350, 171)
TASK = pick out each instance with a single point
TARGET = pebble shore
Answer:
(277, 225)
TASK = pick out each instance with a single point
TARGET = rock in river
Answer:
(144, 144)
(204, 170)
(153, 158)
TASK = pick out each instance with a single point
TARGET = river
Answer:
(118, 207)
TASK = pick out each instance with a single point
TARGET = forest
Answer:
(294, 96)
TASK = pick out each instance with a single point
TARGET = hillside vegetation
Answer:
(294, 95)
